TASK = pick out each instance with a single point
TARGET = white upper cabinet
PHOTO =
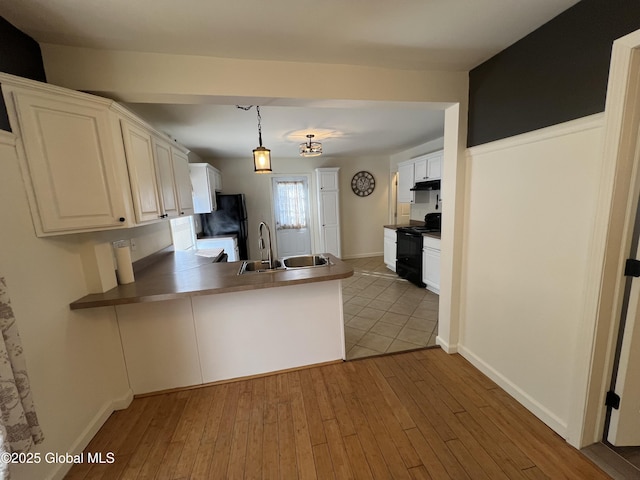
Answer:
(420, 169)
(434, 165)
(73, 171)
(87, 163)
(184, 189)
(405, 182)
(138, 147)
(206, 181)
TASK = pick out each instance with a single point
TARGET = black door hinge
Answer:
(612, 400)
(632, 268)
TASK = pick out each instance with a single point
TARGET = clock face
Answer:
(363, 184)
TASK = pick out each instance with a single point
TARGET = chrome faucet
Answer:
(261, 244)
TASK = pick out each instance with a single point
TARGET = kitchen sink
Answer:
(288, 263)
(249, 266)
(305, 261)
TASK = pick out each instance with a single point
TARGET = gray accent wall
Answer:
(19, 55)
(555, 74)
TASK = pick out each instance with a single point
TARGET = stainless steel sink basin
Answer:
(305, 261)
(256, 266)
(288, 263)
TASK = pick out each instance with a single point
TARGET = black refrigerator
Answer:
(230, 218)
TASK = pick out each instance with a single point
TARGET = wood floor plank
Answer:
(429, 458)
(312, 409)
(220, 460)
(420, 473)
(429, 432)
(253, 460)
(339, 457)
(322, 396)
(304, 450)
(286, 441)
(471, 403)
(240, 436)
(357, 458)
(322, 459)
(421, 415)
(378, 409)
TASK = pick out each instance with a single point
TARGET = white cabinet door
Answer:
(138, 147)
(420, 170)
(405, 182)
(390, 248)
(217, 180)
(328, 180)
(330, 223)
(166, 178)
(159, 344)
(184, 189)
(72, 162)
(203, 178)
(431, 268)
(434, 165)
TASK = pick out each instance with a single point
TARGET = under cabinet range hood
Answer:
(428, 185)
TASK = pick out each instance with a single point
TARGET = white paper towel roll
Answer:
(123, 264)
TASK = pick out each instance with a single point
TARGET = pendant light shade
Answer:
(262, 159)
(261, 155)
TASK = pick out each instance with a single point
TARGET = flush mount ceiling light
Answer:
(310, 149)
(261, 155)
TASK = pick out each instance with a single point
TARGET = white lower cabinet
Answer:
(159, 345)
(390, 248)
(431, 263)
(207, 338)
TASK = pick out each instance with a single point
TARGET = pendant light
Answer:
(261, 155)
(310, 149)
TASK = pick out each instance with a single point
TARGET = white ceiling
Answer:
(454, 35)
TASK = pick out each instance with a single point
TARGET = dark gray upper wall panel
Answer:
(19, 55)
(557, 73)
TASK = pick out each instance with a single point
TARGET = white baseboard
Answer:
(551, 420)
(445, 345)
(362, 255)
(61, 469)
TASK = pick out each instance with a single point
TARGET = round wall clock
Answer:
(363, 184)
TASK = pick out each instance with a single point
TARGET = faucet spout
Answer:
(261, 245)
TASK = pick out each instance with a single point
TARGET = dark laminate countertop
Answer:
(179, 274)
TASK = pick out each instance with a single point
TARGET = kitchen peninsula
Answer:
(188, 321)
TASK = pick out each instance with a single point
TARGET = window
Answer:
(291, 204)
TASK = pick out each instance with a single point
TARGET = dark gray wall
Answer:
(19, 55)
(557, 73)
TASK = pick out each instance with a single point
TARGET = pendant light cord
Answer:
(259, 126)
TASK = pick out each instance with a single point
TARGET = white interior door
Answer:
(291, 214)
(624, 422)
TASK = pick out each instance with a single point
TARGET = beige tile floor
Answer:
(384, 313)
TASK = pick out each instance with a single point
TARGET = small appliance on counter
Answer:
(409, 247)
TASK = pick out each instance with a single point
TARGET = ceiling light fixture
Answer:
(310, 149)
(261, 155)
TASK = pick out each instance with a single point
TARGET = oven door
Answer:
(409, 257)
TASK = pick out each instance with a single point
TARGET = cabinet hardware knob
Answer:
(122, 219)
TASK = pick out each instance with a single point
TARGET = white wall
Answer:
(529, 218)
(361, 218)
(74, 358)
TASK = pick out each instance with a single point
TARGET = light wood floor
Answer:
(415, 415)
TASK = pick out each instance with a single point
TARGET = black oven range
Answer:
(409, 248)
